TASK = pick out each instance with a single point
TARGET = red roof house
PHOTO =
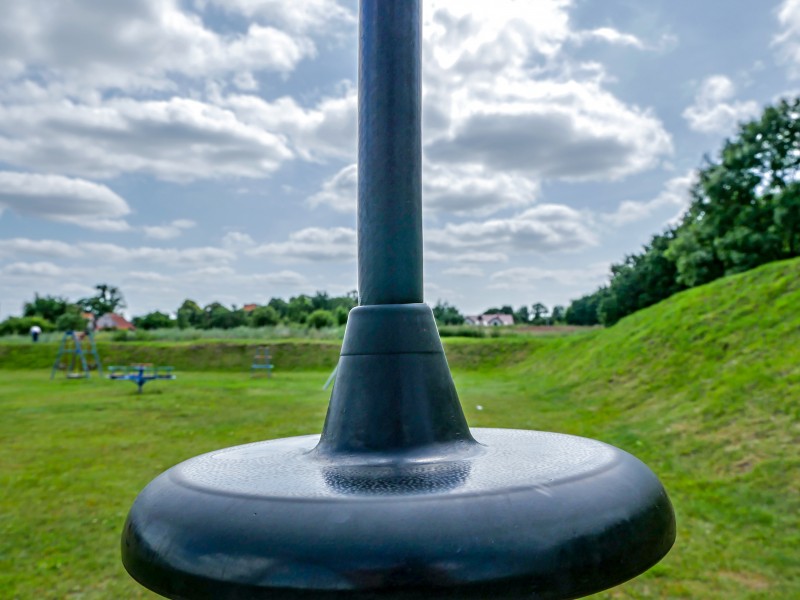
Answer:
(113, 321)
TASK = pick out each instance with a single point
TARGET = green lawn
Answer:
(703, 387)
(75, 454)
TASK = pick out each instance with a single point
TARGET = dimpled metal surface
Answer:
(520, 514)
(287, 468)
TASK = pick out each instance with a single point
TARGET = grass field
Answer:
(704, 388)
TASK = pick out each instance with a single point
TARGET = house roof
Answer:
(502, 318)
(116, 320)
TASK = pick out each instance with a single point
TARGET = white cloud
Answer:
(473, 36)
(211, 271)
(340, 192)
(464, 271)
(609, 36)
(543, 229)
(788, 39)
(169, 231)
(536, 277)
(63, 199)
(500, 94)
(37, 269)
(675, 195)
(147, 277)
(327, 130)
(236, 239)
(476, 258)
(473, 189)
(13, 247)
(178, 139)
(92, 44)
(312, 244)
(165, 256)
(553, 130)
(297, 15)
(290, 279)
(714, 110)
(452, 189)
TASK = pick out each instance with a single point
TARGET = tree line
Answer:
(55, 313)
(744, 212)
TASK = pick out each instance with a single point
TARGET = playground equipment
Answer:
(331, 378)
(398, 498)
(261, 362)
(140, 374)
(75, 363)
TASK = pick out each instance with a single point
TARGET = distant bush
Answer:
(72, 320)
(340, 313)
(283, 331)
(264, 316)
(22, 325)
(320, 318)
(140, 335)
(155, 320)
(462, 331)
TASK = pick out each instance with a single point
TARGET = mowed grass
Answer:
(703, 387)
(74, 455)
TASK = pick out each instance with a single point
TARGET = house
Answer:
(248, 308)
(494, 320)
(113, 321)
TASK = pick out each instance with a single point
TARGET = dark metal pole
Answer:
(389, 153)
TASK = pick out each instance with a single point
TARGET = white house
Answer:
(496, 320)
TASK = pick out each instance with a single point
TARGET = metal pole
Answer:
(389, 153)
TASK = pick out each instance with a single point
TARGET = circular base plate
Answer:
(525, 514)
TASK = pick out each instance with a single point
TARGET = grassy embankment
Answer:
(703, 387)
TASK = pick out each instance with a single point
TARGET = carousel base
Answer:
(520, 514)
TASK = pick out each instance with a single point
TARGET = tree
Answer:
(522, 315)
(189, 314)
(299, 308)
(583, 311)
(539, 313)
(640, 281)
(280, 306)
(348, 301)
(218, 316)
(558, 314)
(321, 300)
(745, 208)
(264, 316)
(447, 314)
(71, 320)
(46, 307)
(341, 314)
(107, 300)
(506, 309)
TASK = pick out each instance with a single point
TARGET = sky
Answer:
(206, 149)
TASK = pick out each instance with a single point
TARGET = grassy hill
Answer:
(703, 387)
